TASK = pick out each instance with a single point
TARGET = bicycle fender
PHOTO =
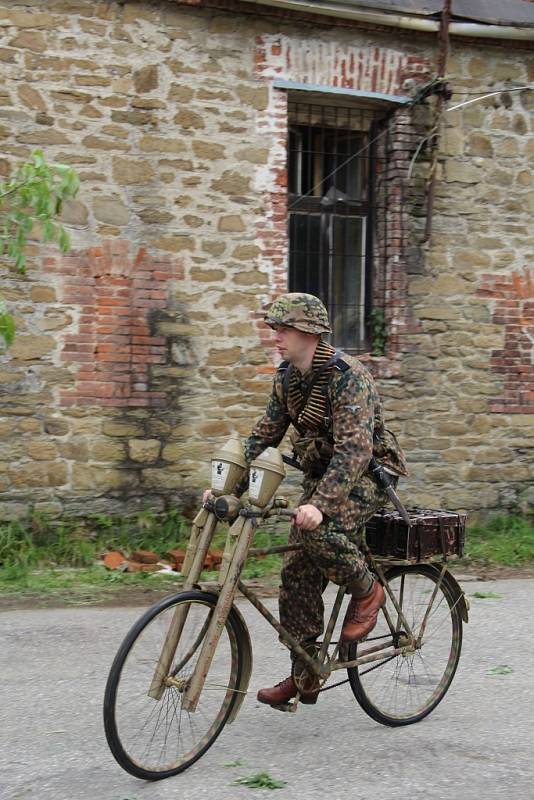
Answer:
(463, 602)
(246, 671)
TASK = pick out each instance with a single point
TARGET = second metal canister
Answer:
(266, 474)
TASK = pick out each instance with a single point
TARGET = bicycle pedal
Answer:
(288, 707)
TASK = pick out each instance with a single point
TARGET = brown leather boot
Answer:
(362, 614)
(283, 692)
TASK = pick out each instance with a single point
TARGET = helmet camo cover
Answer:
(305, 312)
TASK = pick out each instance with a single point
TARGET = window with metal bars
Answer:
(331, 206)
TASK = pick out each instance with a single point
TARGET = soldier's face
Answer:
(290, 342)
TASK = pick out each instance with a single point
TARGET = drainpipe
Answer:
(443, 56)
(472, 30)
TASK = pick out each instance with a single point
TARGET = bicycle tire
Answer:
(127, 704)
(375, 685)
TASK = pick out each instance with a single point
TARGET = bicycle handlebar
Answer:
(282, 512)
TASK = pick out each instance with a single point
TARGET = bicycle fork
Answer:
(242, 533)
(202, 532)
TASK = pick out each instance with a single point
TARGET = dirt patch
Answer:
(491, 572)
(143, 596)
(121, 597)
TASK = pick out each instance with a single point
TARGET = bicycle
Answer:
(182, 672)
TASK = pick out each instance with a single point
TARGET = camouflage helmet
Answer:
(305, 312)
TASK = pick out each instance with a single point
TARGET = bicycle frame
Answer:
(387, 649)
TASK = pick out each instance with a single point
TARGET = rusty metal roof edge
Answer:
(404, 21)
(515, 13)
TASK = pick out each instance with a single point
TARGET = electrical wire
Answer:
(432, 135)
(490, 94)
(507, 89)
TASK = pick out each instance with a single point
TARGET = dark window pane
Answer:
(295, 161)
(347, 286)
(305, 253)
(343, 169)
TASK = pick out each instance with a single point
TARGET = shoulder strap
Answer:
(340, 364)
(287, 368)
(312, 384)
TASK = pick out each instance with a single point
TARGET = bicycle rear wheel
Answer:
(156, 738)
(403, 689)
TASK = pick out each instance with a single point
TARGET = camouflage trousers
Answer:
(329, 553)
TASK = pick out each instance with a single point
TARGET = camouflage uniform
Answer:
(334, 451)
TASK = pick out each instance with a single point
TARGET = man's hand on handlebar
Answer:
(308, 517)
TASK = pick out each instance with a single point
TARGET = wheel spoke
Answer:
(157, 737)
(404, 688)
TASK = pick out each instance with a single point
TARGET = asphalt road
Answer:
(477, 745)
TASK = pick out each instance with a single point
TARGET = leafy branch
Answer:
(33, 195)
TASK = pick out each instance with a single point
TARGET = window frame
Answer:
(313, 204)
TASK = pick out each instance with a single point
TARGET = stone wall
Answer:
(471, 432)
(143, 348)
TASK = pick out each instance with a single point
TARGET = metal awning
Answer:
(375, 99)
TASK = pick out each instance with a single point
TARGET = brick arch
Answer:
(315, 61)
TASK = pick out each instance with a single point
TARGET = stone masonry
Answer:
(142, 349)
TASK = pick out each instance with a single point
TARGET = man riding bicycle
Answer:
(333, 405)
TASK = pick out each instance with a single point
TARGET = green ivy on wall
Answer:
(378, 332)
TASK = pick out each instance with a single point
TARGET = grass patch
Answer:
(91, 582)
(502, 669)
(502, 539)
(261, 780)
(44, 556)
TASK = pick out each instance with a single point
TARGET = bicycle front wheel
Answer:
(401, 690)
(154, 738)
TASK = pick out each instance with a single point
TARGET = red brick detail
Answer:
(511, 299)
(145, 556)
(137, 566)
(393, 237)
(314, 61)
(271, 228)
(112, 345)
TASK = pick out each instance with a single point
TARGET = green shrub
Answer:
(503, 539)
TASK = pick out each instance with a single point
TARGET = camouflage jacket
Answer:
(338, 452)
